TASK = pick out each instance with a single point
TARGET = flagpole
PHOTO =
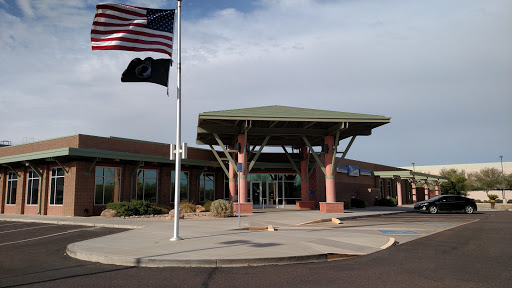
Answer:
(178, 134)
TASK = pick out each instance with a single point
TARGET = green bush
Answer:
(346, 204)
(207, 206)
(132, 208)
(357, 203)
(509, 201)
(187, 207)
(478, 201)
(160, 209)
(492, 196)
(389, 202)
(221, 208)
(499, 201)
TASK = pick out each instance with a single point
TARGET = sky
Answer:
(441, 69)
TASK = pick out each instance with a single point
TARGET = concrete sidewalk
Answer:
(220, 242)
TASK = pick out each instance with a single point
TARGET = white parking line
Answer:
(26, 228)
(36, 238)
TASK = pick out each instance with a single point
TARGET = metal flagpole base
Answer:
(176, 239)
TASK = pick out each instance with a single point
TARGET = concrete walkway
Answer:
(300, 237)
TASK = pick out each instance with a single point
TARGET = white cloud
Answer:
(441, 70)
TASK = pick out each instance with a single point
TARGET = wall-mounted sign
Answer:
(353, 170)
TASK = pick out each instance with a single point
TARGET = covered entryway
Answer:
(243, 133)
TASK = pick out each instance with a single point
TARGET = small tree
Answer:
(486, 179)
(458, 183)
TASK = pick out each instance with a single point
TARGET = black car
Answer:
(443, 203)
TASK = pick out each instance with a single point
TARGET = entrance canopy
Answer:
(284, 125)
(410, 175)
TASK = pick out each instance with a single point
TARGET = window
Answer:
(381, 187)
(206, 187)
(226, 187)
(12, 183)
(32, 188)
(108, 184)
(183, 186)
(147, 185)
(390, 187)
(57, 186)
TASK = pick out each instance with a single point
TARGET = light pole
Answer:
(413, 169)
(503, 181)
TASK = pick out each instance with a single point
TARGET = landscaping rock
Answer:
(171, 214)
(109, 213)
(199, 208)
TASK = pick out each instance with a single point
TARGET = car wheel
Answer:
(469, 210)
(433, 209)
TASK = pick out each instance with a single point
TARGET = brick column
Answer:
(232, 180)
(330, 205)
(437, 187)
(245, 207)
(425, 186)
(413, 184)
(399, 190)
(305, 203)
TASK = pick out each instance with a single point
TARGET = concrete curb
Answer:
(60, 222)
(74, 252)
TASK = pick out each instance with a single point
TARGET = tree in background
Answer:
(486, 179)
(458, 183)
(508, 181)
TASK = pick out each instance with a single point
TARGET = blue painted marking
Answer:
(399, 232)
(435, 223)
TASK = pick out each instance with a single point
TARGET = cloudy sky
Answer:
(441, 69)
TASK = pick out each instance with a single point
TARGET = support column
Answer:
(305, 202)
(330, 205)
(413, 185)
(232, 181)
(399, 190)
(425, 186)
(245, 207)
(436, 187)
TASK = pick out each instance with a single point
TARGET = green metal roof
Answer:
(285, 125)
(280, 113)
(407, 174)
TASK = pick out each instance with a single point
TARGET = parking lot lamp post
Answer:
(503, 181)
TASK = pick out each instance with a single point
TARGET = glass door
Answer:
(273, 194)
(255, 193)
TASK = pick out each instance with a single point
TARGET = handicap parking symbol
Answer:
(399, 232)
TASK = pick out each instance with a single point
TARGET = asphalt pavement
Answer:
(297, 237)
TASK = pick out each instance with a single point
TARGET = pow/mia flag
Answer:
(147, 70)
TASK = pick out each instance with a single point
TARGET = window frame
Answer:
(53, 186)
(144, 184)
(31, 178)
(202, 190)
(103, 183)
(11, 177)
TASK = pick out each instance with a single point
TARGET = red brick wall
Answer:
(3, 183)
(70, 141)
(84, 189)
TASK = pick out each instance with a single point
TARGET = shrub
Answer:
(389, 202)
(221, 208)
(478, 201)
(357, 203)
(132, 208)
(160, 209)
(346, 204)
(492, 196)
(499, 201)
(509, 201)
(187, 207)
(207, 206)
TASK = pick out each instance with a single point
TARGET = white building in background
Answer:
(469, 168)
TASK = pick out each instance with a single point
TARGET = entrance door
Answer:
(255, 195)
(275, 194)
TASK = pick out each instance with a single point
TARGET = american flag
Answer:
(130, 28)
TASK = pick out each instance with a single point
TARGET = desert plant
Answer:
(132, 208)
(221, 208)
(390, 202)
(160, 209)
(492, 196)
(207, 206)
(187, 207)
(357, 203)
